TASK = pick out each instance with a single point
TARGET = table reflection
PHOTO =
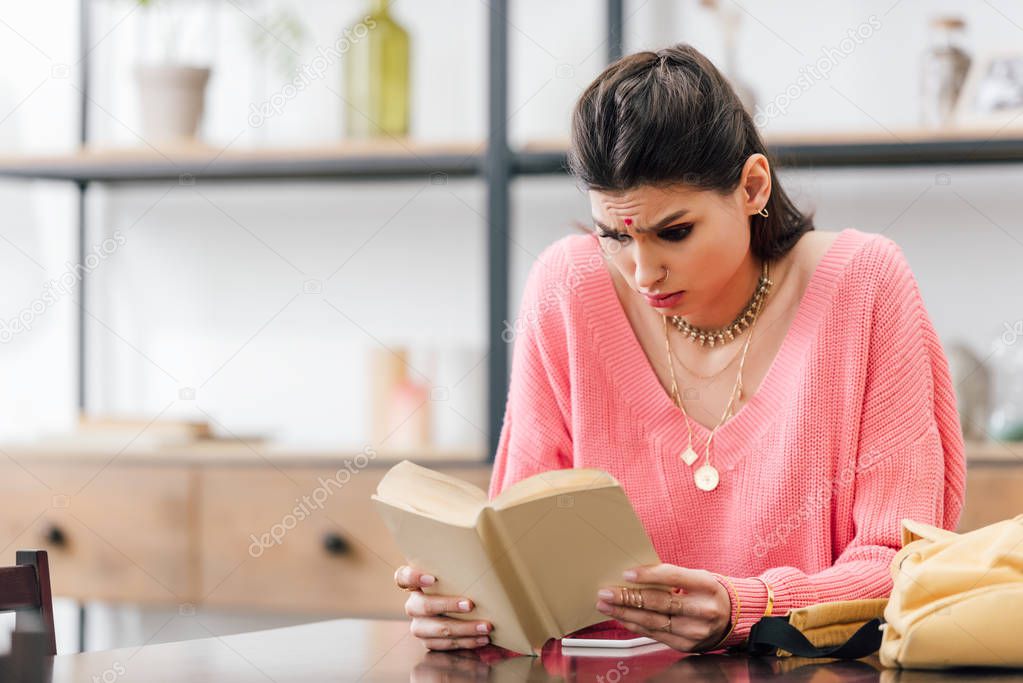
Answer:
(658, 664)
(664, 664)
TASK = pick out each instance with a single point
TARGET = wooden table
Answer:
(384, 650)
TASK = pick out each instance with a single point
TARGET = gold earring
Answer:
(763, 212)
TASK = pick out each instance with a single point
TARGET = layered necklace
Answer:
(706, 476)
(733, 329)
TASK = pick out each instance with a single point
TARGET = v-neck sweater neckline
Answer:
(639, 386)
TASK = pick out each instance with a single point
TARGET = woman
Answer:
(772, 398)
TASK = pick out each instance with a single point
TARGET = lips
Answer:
(665, 300)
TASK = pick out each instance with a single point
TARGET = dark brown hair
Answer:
(669, 117)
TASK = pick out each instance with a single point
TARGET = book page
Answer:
(432, 493)
(552, 483)
(456, 556)
(573, 544)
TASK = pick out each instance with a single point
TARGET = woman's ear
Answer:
(756, 183)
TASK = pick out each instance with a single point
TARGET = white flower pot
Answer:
(172, 99)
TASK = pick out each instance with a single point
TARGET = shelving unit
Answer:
(851, 148)
(397, 159)
(386, 160)
(491, 160)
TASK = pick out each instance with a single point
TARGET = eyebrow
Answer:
(654, 228)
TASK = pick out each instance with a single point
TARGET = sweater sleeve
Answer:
(909, 462)
(535, 435)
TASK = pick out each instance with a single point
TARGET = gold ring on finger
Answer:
(667, 626)
(639, 593)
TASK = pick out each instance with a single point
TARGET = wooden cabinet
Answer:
(254, 535)
(994, 491)
(300, 539)
(113, 533)
(994, 483)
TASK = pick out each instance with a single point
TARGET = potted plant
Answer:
(172, 91)
(172, 77)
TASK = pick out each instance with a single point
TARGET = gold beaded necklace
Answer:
(732, 330)
(706, 477)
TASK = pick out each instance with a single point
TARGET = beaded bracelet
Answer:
(738, 612)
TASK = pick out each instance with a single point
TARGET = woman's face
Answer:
(701, 237)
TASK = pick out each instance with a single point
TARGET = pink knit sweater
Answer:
(853, 428)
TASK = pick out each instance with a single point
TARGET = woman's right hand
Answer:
(439, 632)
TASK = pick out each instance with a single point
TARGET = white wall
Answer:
(207, 290)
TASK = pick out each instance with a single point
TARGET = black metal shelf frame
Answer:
(499, 167)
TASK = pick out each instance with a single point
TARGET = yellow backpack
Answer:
(956, 600)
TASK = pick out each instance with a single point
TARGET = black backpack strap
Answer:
(771, 633)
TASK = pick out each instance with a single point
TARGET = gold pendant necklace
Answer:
(711, 376)
(706, 477)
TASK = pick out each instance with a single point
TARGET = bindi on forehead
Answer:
(629, 221)
(626, 212)
(637, 212)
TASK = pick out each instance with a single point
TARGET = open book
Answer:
(531, 560)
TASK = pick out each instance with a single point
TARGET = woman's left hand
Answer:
(690, 613)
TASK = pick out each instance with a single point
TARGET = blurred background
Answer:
(254, 251)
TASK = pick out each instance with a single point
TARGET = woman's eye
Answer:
(613, 236)
(677, 234)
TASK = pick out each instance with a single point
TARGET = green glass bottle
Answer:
(377, 76)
